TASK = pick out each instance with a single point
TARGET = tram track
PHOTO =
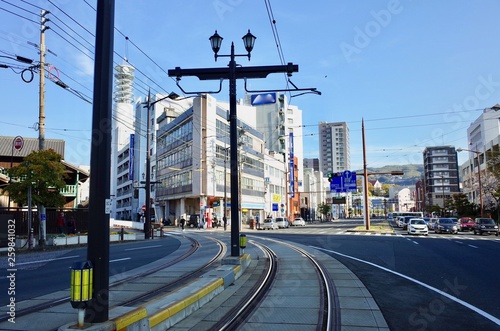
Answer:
(328, 314)
(169, 286)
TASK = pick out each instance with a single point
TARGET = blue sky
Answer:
(417, 71)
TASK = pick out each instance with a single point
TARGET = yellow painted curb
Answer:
(135, 315)
(173, 309)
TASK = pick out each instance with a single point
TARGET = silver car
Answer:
(270, 224)
(282, 222)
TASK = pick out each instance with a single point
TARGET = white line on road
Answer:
(145, 247)
(472, 246)
(49, 260)
(459, 242)
(118, 260)
(416, 243)
(449, 296)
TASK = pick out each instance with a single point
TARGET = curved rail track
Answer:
(195, 245)
(329, 312)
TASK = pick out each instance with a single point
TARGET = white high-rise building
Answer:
(334, 147)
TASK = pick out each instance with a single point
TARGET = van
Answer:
(282, 222)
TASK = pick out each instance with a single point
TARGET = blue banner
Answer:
(292, 174)
(131, 158)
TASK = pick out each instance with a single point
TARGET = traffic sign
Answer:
(18, 143)
(344, 182)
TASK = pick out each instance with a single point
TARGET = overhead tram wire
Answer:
(29, 3)
(18, 7)
(277, 40)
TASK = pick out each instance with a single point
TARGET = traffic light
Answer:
(330, 175)
(136, 194)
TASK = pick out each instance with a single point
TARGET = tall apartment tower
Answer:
(334, 147)
(440, 175)
(122, 143)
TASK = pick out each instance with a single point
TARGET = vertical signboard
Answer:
(292, 177)
(131, 158)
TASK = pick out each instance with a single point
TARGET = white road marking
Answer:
(118, 260)
(144, 247)
(472, 246)
(49, 260)
(449, 296)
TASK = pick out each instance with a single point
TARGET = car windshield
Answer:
(268, 220)
(445, 221)
(417, 222)
(486, 221)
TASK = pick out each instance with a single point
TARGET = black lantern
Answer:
(215, 42)
(249, 41)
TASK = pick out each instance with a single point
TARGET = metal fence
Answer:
(20, 215)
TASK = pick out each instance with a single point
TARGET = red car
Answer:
(466, 224)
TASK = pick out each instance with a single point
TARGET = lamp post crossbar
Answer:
(232, 73)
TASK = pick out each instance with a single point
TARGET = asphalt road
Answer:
(41, 273)
(420, 283)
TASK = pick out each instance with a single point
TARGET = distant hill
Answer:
(412, 174)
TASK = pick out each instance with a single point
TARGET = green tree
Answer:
(460, 203)
(44, 172)
(324, 209)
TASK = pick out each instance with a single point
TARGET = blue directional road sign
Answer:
(343, 182)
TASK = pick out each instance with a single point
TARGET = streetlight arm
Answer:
(197, 92)
(296, 89)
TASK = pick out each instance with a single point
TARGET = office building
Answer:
(440, 174)
(334, 147)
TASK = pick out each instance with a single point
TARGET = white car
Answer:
(417, 226)
(299, 221)
(282, 222)
(269, 224)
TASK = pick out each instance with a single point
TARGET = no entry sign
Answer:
(18, 143)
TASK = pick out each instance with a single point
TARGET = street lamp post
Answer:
(478, 176)
(233, 72)
(147, 212)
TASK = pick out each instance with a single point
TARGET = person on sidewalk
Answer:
(60, 222)
(183, 222)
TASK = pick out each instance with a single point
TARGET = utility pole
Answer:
(100, 161)
(41, 114)
(42, 47)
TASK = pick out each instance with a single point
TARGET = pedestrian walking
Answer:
(71, 226)
(224, 220)
(60, 222)
(183, 222)
(216, 222)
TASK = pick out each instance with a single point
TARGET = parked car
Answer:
(485, 225)
(399, 221)
(282, 222)
(299, 221)
(466, 224)
(270, 224)
(417, 226)
(445, 225)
